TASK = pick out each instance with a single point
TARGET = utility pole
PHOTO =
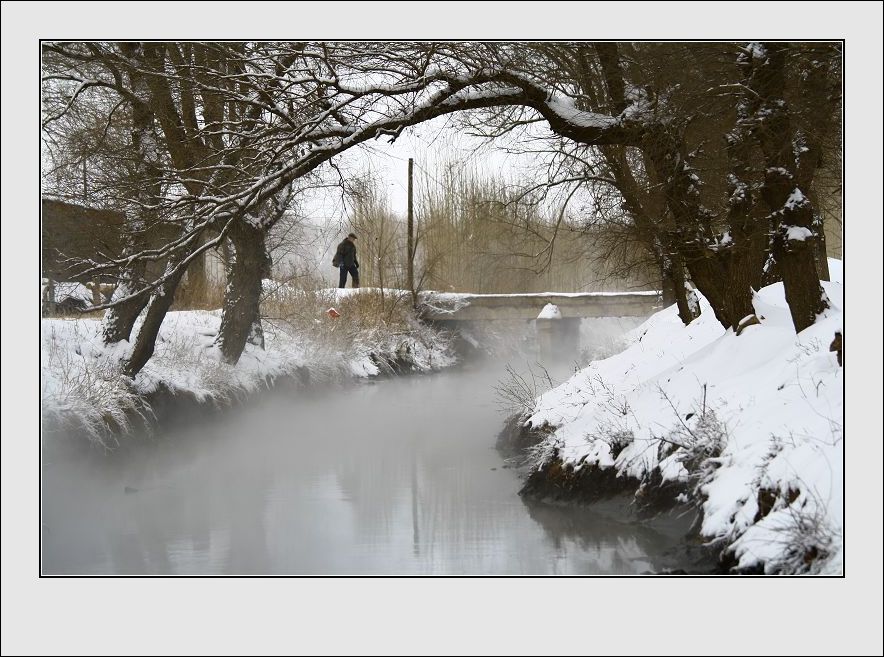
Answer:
(410, 254)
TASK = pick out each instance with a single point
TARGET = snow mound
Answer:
(550, 311)
(751, 425)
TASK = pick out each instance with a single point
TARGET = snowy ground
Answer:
(751, 423)
(81, 382)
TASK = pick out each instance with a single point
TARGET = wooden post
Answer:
(50, 297)
(410, 247)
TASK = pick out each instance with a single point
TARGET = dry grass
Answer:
(304, 311)
(517, 392)
(376, 324)
(88, 393)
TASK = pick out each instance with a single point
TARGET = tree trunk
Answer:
(644, 205)
(822, 254)
(729, 294)
(240, 316)
(687, 311)
(120, 319)
(793, 249)
(791, 210)
(160, 301)
(725, 288)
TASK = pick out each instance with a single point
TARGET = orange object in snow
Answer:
(331, 312)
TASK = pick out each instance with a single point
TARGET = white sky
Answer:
(433, 145)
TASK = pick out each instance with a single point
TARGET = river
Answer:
(391, 477)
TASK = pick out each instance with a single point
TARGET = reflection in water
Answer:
(608, 545)
(389, 478)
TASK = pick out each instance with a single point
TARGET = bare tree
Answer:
(684, 133)
(222, 132)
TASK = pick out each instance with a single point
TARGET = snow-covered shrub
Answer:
(696, 442)
(542, 453)
(614, 434)
(808, 542)
(518, 393)
(796, 534)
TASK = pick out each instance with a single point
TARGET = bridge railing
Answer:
(489, 307)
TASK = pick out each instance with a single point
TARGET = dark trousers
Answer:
(354, 274)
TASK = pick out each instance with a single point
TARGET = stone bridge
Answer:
(446, 306)
(558, 329)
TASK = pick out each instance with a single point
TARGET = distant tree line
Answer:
(480, 233)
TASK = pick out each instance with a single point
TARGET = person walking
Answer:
(345, 260)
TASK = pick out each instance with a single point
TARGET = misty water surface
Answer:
(393, 477)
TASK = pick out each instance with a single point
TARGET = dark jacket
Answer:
(345, 255)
